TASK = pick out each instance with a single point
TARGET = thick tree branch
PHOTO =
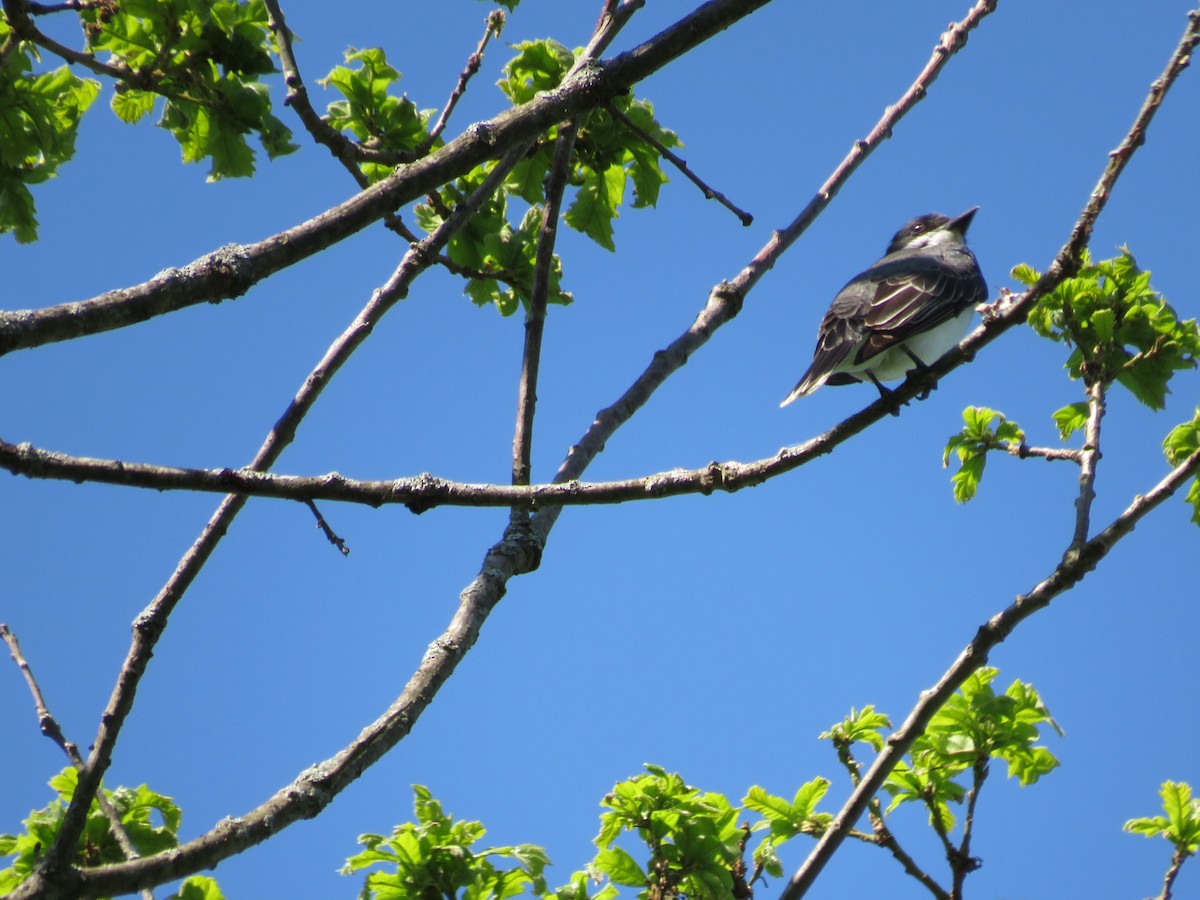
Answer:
(234, 269)
(55, 877)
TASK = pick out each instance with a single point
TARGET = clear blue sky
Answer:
(714, 636)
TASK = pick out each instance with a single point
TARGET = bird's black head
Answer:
(920, 227)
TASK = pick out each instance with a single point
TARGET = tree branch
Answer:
(680, 164)
(518, 550)
(961, 863)
(55, 877)
(1089, 457)
(495, 24)
(50, 728)
(882, 836)
(535, 316)
(349, 153)
(232, 270)
(1079, 560)
(1065, 576)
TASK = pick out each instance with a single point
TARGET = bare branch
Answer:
(329, 533)
(881, 835)
(535, 317)
(1047, 453)
(681, 165)
(961, 862)
(495, 24)
(1177, 860)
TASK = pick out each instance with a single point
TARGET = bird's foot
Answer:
(887, 394)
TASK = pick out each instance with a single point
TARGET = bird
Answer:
(903, 312)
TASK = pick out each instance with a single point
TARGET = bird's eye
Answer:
(917, 229)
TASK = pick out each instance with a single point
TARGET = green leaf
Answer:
(983, 430)
(1181, 825)
(132, 105)
(865, 726)
(1025, 274)
(206, 59)
(620, 867)
(595, 205)
(39, 119)
(1070, 419)
(198, 887)
(966, 480)
(538, 66)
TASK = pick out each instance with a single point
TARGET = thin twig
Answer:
(1177, 860)
(961, 862)
(329, 533)
(149, 625)
(1024, 451)
(50, 728)
(882, 836)
(23, 27)
(495, 24)
(681, 164)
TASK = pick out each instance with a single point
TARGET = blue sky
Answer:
(714, 636)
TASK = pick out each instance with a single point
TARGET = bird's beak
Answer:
(960, 224)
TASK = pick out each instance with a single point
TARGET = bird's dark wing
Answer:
(915, 300)
(840, 334)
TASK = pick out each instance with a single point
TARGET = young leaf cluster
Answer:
(375, 117)
(694, 839)
(1119, 331)
(1180, 825)
(39, 118)
(608, 152)
(204, 59)
(1181, 442)
(432, 857)
(1118, 328)
(975, 726)
(608, 156)
(150, 820)
(983, 430)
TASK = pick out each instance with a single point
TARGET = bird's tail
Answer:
(812, 380)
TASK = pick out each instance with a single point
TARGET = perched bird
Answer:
(903, 312)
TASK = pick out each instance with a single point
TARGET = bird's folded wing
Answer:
(913, 303)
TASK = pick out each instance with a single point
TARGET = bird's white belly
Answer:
(894, 363)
